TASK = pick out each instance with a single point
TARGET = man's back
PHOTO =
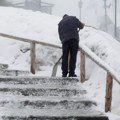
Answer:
(68, 28)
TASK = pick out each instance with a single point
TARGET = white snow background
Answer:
(43, 27)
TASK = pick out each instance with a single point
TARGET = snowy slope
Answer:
(43, 27)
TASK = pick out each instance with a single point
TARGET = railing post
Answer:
(32, 54)
(108, 97)
(82, 66)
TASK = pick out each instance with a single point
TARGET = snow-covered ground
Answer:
(43, 27)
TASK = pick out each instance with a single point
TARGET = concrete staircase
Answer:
(36, 98)
(5, 71)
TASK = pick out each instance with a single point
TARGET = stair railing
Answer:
(32, 49)
(111, 74)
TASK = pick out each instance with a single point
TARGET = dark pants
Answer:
(69, 47)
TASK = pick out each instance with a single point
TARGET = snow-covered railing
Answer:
(32, 49)
(111, 74)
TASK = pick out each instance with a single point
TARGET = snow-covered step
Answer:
(36, 98)
(3, 66)
(51, 114)
(48, 104)
(39, 80)
(99, 117)
(42, 92)
(10, 97)
(47, 86)
(36, 86)
(14, 72)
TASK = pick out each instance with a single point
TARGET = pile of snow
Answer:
(31, 25)
(43, 27)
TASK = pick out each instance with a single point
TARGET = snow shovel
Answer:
(54, 71)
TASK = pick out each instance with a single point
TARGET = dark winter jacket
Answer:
(68, 28)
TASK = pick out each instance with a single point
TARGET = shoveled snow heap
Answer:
(43, 27)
